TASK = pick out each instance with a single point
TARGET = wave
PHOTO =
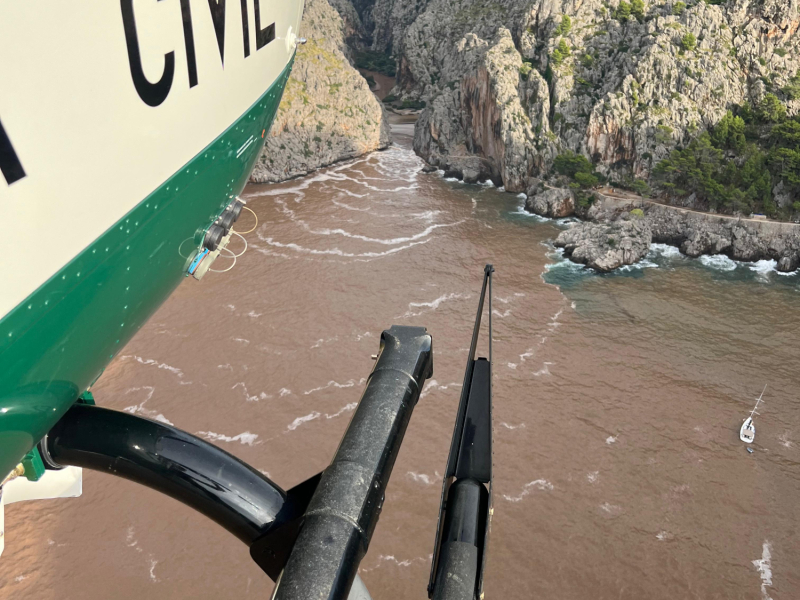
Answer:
(433, 305)
(524, 213)
(386, 242)
(305, 419)
(336, 251)
(539, 484)
(763, 266)
(764, 567)
(719, 262)
(246, 438)
(664, 250)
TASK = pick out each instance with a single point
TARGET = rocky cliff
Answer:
(619, 232)
(509, 84)
(327, 113)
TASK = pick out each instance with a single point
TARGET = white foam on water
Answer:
(432, 305)
(304, 419)
(352, 195)
(427, 215)
(539, 484)
(435, 385)
(764, 567)
(507, 426)
(642, 264)
(545, 370)
(382, 559)
(19, 578)
(567, 264)
(321, 341)
(784, 440)
(503, 314)
(284, 392)
(253, 314)
(421, 478)
(336, 251)
(386, 242)
(344, 409)
(720, 262)
(153, 563)
(490, 183)
(246, 438)
(502, 188)
(538, 218)
(593, 476)
(347, 384)
(251, 397)
(140, 409)
(451, 179)
(611, 509)
(663, 536)
(664, 250)
(154, 363)
(241, 340)
(522, 196)
(611, 439)
(763, 266)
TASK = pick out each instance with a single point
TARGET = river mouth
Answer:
(618, 399)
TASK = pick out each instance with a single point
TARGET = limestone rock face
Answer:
(747, 240)
(605, 247)
(514, 83)
(551, 202)
(327, 113)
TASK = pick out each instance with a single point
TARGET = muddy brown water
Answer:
(619, 473)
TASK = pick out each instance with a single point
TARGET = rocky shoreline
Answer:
(614, 233)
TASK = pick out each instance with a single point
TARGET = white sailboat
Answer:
(748, 431)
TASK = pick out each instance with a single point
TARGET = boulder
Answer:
(605, 247)
(551, 202)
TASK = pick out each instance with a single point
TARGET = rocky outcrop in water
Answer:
(554, 203)
(514, 82)
(607, 246)
(694, 233)
(328, 113)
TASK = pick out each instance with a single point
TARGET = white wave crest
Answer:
(386, 242)
(664, 250)
(347, 384)
(305, 419)
(421, 478)
(539, 484)
(763, 266)
(435, 385)
(432, 305)
(764, 567)
(336, 251)
(720, 262)
(246, 438)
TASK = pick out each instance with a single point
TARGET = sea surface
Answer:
(617, 402)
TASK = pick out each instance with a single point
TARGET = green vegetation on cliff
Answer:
(737, 165)
(375, 61)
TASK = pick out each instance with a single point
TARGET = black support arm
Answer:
(344, 510)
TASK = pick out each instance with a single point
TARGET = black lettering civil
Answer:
(10, 165)
(154, 94)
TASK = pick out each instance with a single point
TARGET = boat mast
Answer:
(753, 412)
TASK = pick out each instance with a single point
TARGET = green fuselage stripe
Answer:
(59, 340)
